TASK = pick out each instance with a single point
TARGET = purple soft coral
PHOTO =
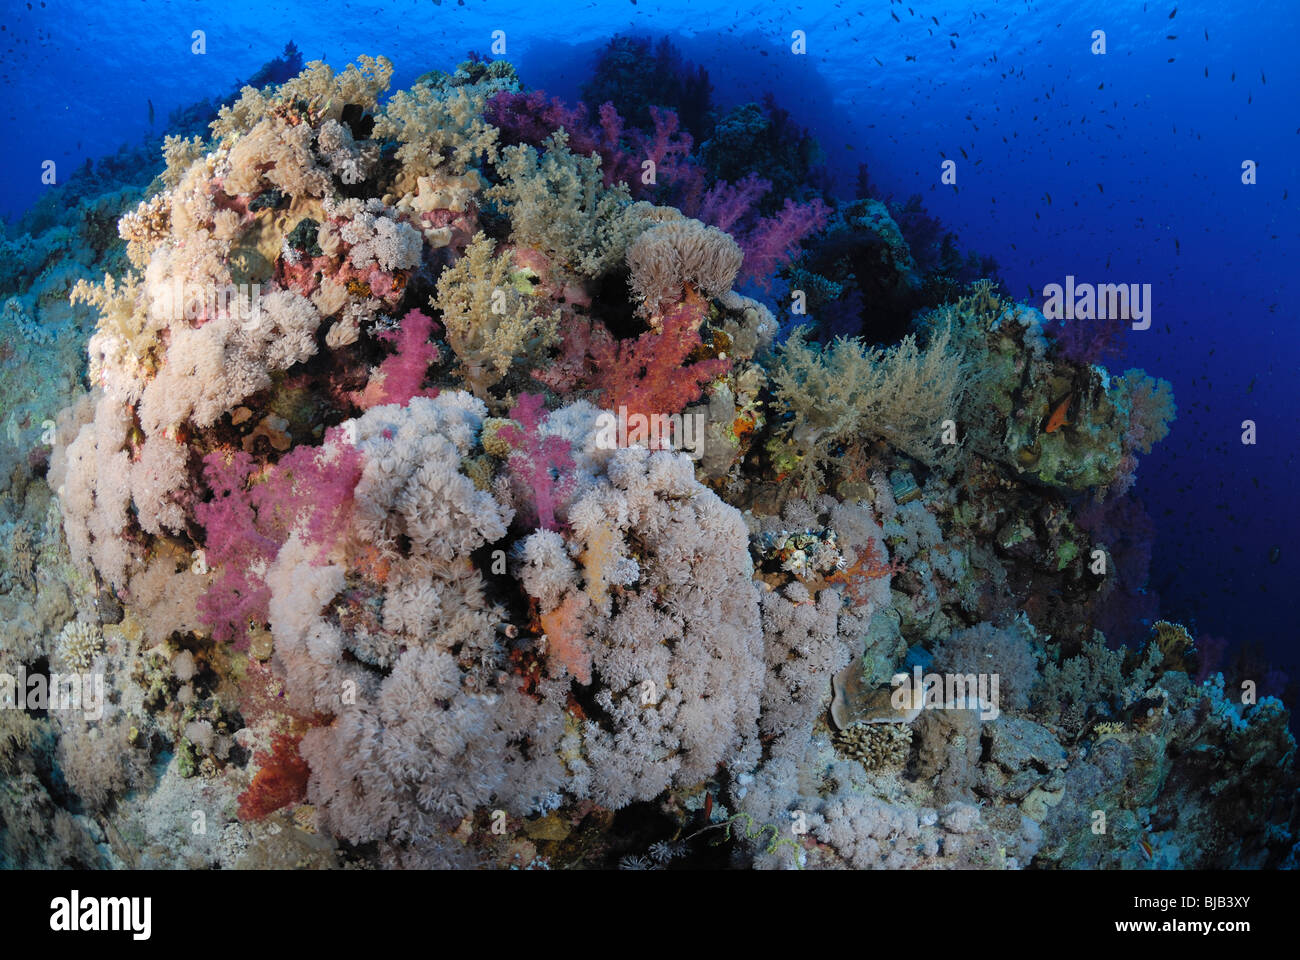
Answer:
(769, 242)
(532, 117)
(1088, 341)
(775, 241)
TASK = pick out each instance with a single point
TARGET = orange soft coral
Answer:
(862, 571)
(566, 636)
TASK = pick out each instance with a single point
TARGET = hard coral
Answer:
(469, 612)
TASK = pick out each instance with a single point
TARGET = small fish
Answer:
(1057, 420)
(1145, 846)
(1274, 554)
(150, 102)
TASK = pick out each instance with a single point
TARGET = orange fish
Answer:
(1057, 420)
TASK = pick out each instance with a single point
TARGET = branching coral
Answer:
(650, 375)
(539, 463)
(318, 93)
(490, 323)
(902, 395)
(125, 345)
(78, 644)
(557, 202)
(439, 128)
(530, 118)
(400, 376)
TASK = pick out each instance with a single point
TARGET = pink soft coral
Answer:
(400, 376)
(677, 177)
(769, 242)
(775, 241)
(725, 205)
(541, 467)
(250, 518)
(650, 375)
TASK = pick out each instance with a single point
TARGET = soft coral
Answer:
(401, 374)
(282, 779)
(540, 464)
(650, 375)
(253, 512)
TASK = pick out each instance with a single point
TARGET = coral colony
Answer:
(457, 476)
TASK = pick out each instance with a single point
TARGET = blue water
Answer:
(1139, 151)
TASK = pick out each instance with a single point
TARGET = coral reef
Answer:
(416, 488)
